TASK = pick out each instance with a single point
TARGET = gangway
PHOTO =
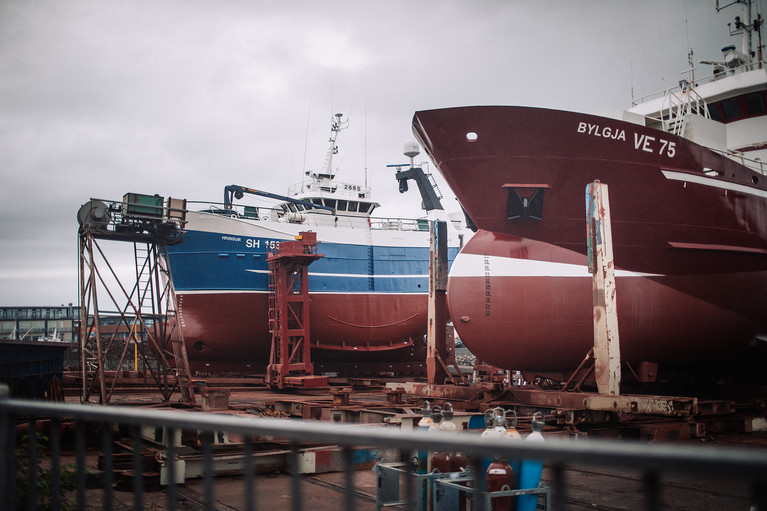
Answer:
(290, 362)
(142, 316)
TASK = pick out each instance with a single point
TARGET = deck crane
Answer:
(237, 192)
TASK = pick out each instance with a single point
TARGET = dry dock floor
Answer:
(589, 488)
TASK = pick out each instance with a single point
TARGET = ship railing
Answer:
(755, 165)
(353, 190)
(708, 78)
(145, 441)
(399, 224)
(678, 105)
(318, 217)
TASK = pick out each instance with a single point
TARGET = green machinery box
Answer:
(142, 205)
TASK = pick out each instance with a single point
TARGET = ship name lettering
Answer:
(648, 145)
(643, 141)
(230, 238)
(602, 131)
(251, 243)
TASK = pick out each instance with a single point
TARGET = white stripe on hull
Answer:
(714, 182)
(473, 265)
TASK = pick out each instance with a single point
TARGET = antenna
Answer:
(365, 143)
(337, 125)
(306, 141)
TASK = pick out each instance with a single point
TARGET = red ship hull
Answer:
(349, 332)
(689, 237)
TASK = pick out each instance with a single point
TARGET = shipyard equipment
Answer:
(141, 318)
(290, 360)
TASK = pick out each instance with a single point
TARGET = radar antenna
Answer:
(337, 125)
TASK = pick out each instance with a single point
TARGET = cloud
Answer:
(184, 97)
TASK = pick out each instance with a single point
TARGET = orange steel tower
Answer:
(290, 360)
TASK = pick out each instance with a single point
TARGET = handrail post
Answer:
(7, 458)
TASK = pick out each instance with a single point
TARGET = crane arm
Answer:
(237, 191)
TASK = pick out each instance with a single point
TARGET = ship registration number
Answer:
(253, 242)
(644, 143)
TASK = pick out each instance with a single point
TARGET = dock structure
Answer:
(141, 313)
(290, 362)
(194, 447)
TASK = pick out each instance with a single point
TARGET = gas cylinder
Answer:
(499, 421)
(490, 432)
(447, 423)
(423, 425)
(513, 435)
(436, 419)
(489, 423)
(530, 473)
(456, 460)
(499, 477)
(440, 460)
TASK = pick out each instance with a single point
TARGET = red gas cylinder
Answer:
(440, 462)
(499, 477)
(458, 461)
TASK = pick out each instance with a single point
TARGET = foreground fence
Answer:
(19, 448)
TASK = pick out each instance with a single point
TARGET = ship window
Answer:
(300, 207)
(331, 203)
(317, 201)
(352, 206)
(731, 108)
(755, 103)
(714, 111)
(365, 207)
(292, 207)
(341, 205)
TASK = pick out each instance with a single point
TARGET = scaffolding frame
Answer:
(144, 308)
(290, 362)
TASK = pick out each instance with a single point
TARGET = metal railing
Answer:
(706, 79)
(650, 459)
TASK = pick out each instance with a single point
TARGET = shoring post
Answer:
(607, 355)
(436, 339)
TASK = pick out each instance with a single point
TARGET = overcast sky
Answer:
(181, 98)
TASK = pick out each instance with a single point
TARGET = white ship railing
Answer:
(343, 190)
(318, 217)
(709, 78)
(676, 106)
(755, 165)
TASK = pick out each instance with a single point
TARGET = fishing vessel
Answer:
(368, 292)
(688, 200)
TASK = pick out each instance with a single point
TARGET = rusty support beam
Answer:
(669, 406)
(436, 348)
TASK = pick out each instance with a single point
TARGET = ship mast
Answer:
(337, 125)
(745, 29)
